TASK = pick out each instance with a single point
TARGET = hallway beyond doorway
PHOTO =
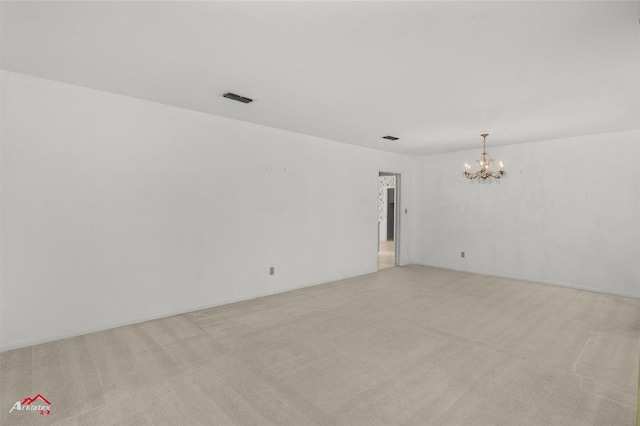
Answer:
(386, 255)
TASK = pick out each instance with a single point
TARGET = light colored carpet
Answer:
(405, 346)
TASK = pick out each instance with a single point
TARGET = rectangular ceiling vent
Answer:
(238, 98)
(391, 138)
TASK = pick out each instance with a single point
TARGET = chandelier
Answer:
(484, 174)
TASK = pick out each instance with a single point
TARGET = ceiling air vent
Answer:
(238, 98)
(391, 138)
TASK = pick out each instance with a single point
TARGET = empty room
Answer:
(319, 213)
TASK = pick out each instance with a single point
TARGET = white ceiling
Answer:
(435, 74)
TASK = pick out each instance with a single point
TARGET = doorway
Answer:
(388, 220)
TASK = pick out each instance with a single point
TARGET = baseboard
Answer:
(107, 325)
(540, 281)
(169, 313)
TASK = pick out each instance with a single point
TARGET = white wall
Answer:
(568, 213)
(117, 210)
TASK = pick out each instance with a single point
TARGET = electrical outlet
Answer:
(272, 270)
(462, 254)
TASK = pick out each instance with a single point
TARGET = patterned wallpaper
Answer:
(384, 182)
